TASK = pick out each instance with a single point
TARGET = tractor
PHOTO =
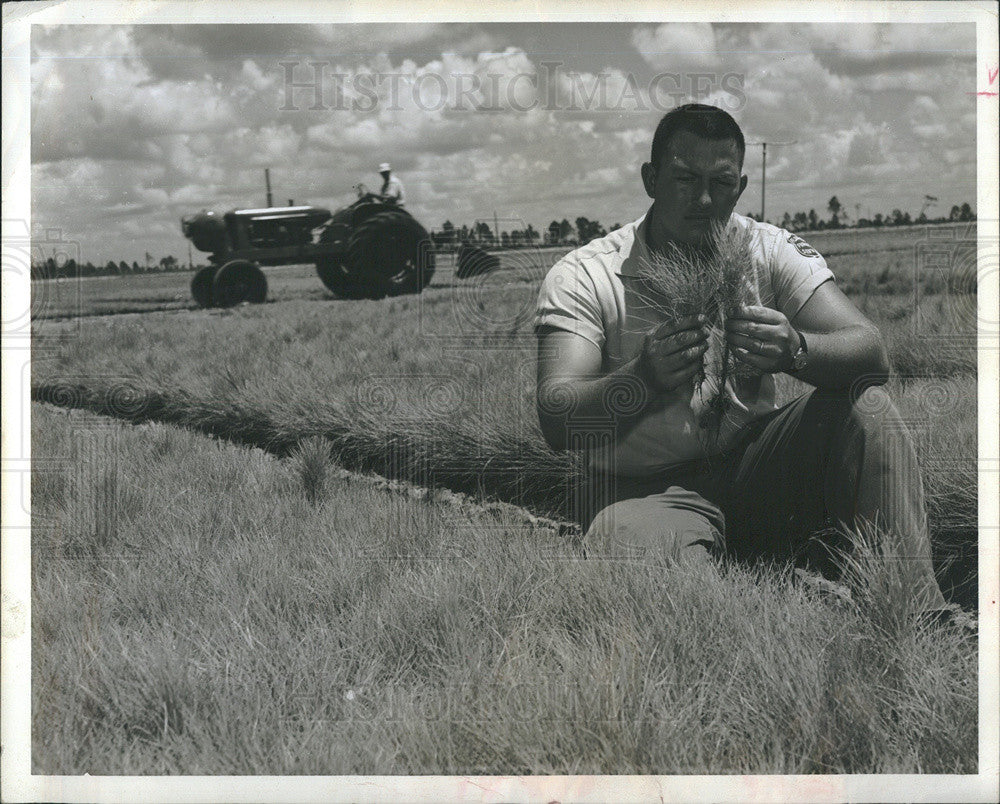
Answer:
(367, 250)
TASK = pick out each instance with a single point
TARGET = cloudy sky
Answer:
(134, 126)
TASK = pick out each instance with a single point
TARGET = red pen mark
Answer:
(991, 78)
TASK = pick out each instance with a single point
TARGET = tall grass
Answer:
(711, 280)
(457, 411)
(227, 624)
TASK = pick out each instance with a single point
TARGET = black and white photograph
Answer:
(500, 402)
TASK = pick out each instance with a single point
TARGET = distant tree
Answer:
(834, 206)
(800, 221)
(448, 232)
(111, 267)
(168, 263)
(955, 212)
(786, 221)
(505, 239)
(136, 267)
(71, 268)
(906, 220)
(897, 217)
(588, 230)
(565, 230)
(484, 234)
(878, 219)
(123, 267)
(615, 227)
(966, 213)
(922, 217)
(554, 231)
(813, 219)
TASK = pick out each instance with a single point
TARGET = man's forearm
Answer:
(620, 398)
(846, 357)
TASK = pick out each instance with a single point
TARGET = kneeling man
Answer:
(616, 378)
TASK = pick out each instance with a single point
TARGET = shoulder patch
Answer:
(802, 246)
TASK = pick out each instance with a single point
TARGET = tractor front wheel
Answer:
(201, 286)
(239, 281)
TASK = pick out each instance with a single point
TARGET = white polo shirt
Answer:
(593, 291)
(393, 188)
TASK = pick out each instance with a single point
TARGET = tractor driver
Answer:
(392, 188)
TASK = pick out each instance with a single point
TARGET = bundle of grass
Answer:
(712, 279)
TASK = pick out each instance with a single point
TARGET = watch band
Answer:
(799, 358)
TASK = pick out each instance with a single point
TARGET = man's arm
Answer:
(844, 346)
(570, 385)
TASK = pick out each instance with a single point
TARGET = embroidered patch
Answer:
(802, 246)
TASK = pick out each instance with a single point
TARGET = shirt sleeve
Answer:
(797, 269)
(568, 300)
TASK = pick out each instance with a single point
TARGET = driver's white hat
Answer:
(384, 168)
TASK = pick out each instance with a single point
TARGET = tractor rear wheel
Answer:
(334, 274)
(391, 254)
(201, 286)
(239, 281)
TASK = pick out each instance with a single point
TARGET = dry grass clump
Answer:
(712, 280)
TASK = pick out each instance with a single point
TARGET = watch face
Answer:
(799, 360)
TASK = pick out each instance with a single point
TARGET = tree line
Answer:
(557, 233)
(564, 233)
(64, 269)
(841, 218)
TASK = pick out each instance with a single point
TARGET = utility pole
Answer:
(267, 181)
(763, 170)
(496, 227)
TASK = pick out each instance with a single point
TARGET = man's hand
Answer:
(673, 352)
(762, 338)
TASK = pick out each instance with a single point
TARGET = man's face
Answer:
(696, 183)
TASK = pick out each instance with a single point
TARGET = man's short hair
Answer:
(706, 121)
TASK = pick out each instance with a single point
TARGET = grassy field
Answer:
(202, 608)
(757, 676)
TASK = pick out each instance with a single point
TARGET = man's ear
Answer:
(649, 178)
(743, 185)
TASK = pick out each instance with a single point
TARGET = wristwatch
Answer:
(800, 358)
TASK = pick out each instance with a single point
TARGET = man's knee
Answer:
(642, 530)
(863, 420)
(875, 422)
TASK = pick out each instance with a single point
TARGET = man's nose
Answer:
(704, 196)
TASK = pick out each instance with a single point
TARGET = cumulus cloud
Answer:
(133, 127)
(690, 45)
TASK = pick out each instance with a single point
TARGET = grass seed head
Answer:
(721, 276)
